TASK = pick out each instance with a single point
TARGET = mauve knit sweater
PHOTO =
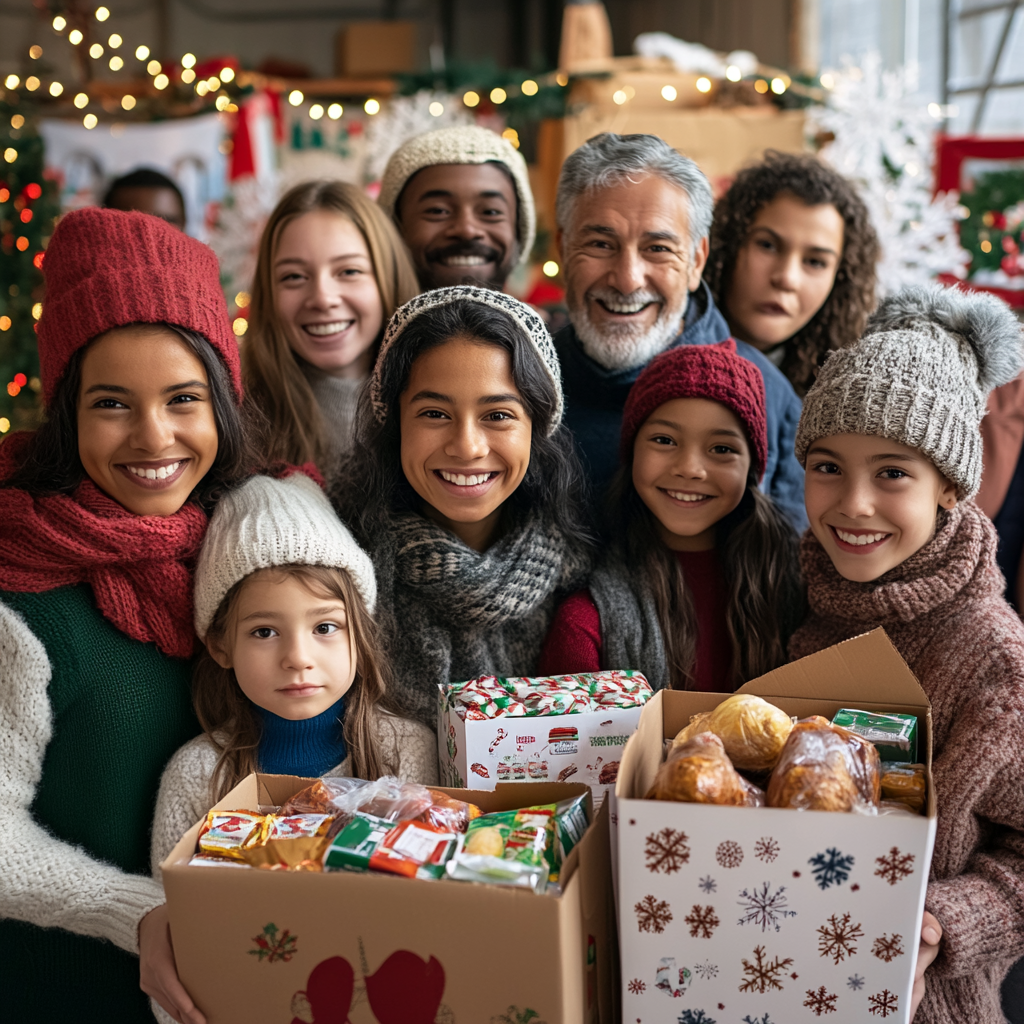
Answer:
(944, 611)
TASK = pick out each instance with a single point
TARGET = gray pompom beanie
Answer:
(920, 376)
(462, 144)
(268, 522)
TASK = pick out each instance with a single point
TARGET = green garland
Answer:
(986, 233)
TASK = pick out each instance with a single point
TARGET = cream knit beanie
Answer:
(920, 376)
(463, 144)
(268, 522)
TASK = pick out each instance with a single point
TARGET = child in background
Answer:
(293, 681)
(889, 437)
(464, 486)
(792, 261)
(701, 588)
(331, 270)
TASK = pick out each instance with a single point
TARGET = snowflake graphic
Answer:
(837, 938)
(702, 921)
(708, 884)
(895, 866)
(652, 914)
(820, 1001)
(729, 854)
(883, 1003)
(637, 987)
(830, 867)
(666, 851)
(707, 970)
(888, 948)
(757, 1020)
(762, 906)
(856, 982)
(763, 975)
(273, 946)
(766, 849)
(695, 1017)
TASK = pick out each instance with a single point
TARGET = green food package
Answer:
(895, 736)
(506, 848)
(356, 843)
(570, 824)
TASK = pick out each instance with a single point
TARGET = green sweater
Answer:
(119, 709)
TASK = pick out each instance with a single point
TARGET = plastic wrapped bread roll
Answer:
(824, 767)
(752, 731)
(699, 772)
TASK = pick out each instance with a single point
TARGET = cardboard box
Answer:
(766, 914)
(368, 48)
(267, 947)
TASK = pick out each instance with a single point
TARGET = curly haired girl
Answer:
(792, 261)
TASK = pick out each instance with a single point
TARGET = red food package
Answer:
(415, 849)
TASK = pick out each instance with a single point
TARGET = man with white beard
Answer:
(633, 218)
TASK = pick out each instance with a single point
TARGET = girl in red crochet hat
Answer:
(701, 588)
(104, 508)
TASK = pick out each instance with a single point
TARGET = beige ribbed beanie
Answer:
(463, 144)
(920, 376)
(268, 522)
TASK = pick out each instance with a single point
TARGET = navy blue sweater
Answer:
(595, 398)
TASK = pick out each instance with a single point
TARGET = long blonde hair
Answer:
(227, 715)
(273, 376)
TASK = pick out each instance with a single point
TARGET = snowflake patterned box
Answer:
(538, 729)
(766, 915)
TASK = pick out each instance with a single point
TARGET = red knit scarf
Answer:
(139, 567)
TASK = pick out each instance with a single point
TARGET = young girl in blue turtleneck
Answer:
(292, 681)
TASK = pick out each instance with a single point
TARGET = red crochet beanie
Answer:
(109, 268)
(715, 372)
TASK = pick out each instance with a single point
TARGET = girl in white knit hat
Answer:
(890, 440)
(293, 681)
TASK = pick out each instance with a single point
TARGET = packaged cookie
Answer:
(905, 784)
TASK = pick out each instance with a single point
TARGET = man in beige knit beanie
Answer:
(461, 199)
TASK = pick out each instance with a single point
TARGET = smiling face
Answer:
(459, 222)
(326, 294)
(629, 268)
(871, 502)
(289, 645)
(691, 461)
(784, 271)
(465, 436)
(146, 430)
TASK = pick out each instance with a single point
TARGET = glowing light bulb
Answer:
(227, 74)
(213, 83)
(116, 63)
(436, 109)
(161, 81)
(75, 36)
(733, 73)
(16, 122)
(239, 325)
(372, 106)
(471, 99)
(530, 87)
(96, 51)
(827, 81)
(550, 269)
(90, 121)
(202, 88)
(512, 136)
(153, 67)
(778, 86)
(32, 83)
(59, 23)
(242, 299)
(562, 79)
(316, 111)
(10, 154)
(141, 52)
(188, 76)
(703, 84)
(114, 41)
(128, 102)
(12, 81)
(668, 92)
(81, 100)
(761, 86)
(102, 13)
(334, 111)
(188, 61)
(295, 97)
(498, 95)
(56, 88)
(619, 97)
(35, 52)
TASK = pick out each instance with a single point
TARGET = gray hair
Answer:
(608, 158)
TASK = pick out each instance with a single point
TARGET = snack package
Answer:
(323, 796)
(303, 853)
(298, 826)
(206, 860)
(448, 813)
(752, 731)
(352, 848)
(905, 784)
(824, 767)
(895, 736)
(415, 849)
(506, 848)
(698, 771)
(228, 833)
(569, 826)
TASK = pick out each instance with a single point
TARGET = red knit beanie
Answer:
(715, 372)
(109, 268)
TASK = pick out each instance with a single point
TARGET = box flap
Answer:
(868, 666)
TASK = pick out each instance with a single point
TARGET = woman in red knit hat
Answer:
(104, 508)
(701, 589)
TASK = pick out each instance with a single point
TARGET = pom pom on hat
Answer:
(462, 144)
(268, 522)
(111, 268)
(716, 372)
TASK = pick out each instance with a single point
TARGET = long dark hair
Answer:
(373, 487)
(51, 464)
(227, 715)
(758, 550)
(842, 317)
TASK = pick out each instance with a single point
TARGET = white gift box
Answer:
(765, 915)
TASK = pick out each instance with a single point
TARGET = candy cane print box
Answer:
(759, 915)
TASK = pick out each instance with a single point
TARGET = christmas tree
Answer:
(29, 207)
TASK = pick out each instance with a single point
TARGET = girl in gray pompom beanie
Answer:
(890, 441)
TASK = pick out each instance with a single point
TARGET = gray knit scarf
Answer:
(450, 613)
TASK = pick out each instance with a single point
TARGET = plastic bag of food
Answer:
(323, 796)
(824, 767)
(506, 848)
(752, 731)
(415, 849)
(699, 771)
(448, 813)
(905, 784)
